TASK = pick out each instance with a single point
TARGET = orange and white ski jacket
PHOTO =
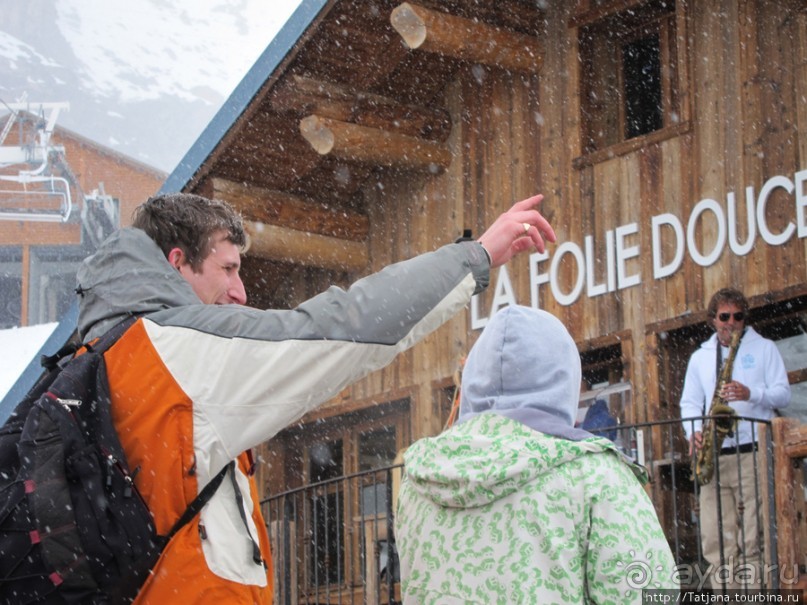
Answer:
(195, 386)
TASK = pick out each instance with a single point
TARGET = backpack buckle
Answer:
(68, 403)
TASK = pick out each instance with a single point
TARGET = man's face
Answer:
(729, 319)
(218, 281)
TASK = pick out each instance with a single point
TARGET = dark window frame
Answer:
(11, 278)
(603, 101)
(605, 377)
(337, 565)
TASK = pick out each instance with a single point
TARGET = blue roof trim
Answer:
(61, 334)
(243, 94)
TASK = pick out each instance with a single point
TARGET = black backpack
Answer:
(73, 527)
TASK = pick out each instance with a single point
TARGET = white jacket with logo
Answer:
(758, 365)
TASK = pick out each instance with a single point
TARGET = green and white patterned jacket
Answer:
(493, 511)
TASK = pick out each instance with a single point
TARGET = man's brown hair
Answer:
(727, 295)
(188, 222)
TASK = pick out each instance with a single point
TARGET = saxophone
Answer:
(721, 421)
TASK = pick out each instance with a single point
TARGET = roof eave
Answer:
(272, 57)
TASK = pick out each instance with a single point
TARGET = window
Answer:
(51, 278)
(642, 89)
(343, 530)
(52, 281)
(606, 396)
(325, 462)
(377, 449)
(376, 444)
(10, 287)
(629, 68)
(786, 324)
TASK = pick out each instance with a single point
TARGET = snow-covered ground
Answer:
(18, 346)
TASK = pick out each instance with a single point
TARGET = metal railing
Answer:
(333, 541)
(662, 448)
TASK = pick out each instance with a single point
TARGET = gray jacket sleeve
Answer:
(251, 373)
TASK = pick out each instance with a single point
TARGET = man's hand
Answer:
(695, 442)
(735, 391)
(519, 229)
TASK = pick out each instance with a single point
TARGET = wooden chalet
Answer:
(668, 136)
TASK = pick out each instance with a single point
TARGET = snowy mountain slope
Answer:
(143, 78)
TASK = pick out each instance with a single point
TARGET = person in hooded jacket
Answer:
(599, 421)
(515, 505)
(199, 378)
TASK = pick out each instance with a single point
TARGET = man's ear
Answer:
(176, 258)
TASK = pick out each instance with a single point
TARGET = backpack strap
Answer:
(100, 345)
(199, 502)
(111, 336)
(130, 584)
(51, 362)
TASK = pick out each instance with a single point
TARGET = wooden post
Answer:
(328, 100)
(309, 249)
(766, 467)
(373, 146)
(286, 210)
(283, 538)
(786, 448)
(453, 36)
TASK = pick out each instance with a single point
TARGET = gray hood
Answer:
(525, 366)
(127, 275)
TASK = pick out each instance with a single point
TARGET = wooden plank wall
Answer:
(743, 75)
(496, 163)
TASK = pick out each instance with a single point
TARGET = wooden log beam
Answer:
(310, 96)
(286, 210)
(373, 146)
(796, 441)
(453, 36)
(309, 249)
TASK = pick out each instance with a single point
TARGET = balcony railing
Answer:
(333, 541)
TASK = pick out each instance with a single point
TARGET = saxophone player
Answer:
(731, 523)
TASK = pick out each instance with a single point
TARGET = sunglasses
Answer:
(738, 316)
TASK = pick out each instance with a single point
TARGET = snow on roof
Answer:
(18, 347)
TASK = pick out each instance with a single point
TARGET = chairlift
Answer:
(49, 200)
(16, 204)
